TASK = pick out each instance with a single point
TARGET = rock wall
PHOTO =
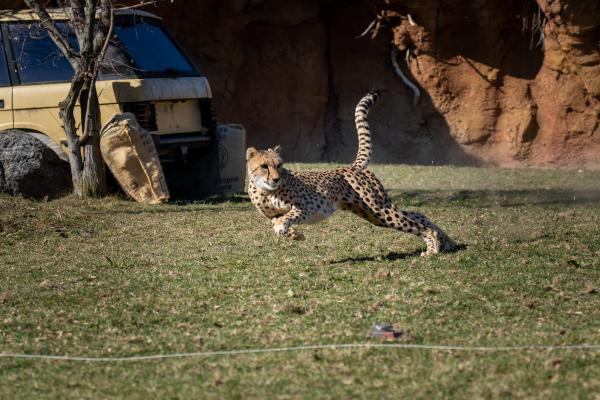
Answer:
(292, 72)
(491, 90)
(517, 82)
(510, 83)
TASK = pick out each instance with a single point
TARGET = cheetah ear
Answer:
(251, 152)
(277, 149)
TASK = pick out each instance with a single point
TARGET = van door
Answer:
(6, 113)
(44, 76)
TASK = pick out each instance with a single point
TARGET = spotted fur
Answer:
(289, 198)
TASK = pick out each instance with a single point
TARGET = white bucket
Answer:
(232, 158)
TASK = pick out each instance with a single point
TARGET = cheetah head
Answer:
(264, 167)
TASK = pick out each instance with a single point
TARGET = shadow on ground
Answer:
(391, 256)
(502, 198)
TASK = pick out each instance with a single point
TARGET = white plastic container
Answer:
(232, 158)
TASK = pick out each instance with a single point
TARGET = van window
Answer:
(151, 50)
(139, 48)
(4, 80)
(38, 58)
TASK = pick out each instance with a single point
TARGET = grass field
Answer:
(115, 278)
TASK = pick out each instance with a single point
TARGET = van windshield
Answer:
(139, 48)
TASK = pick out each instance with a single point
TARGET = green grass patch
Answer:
(114, 278)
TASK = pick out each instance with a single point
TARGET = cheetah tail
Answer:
(365, 149)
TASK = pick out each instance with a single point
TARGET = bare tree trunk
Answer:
(67, 115)
(94, 174)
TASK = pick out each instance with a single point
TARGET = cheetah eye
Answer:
(264, 166)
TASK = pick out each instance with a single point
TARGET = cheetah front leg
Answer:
(285, 225)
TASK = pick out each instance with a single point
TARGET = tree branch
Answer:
(77, 17)
(57, 37)
(105, 27)
(90, 22)
(144, 3)
(97, 64)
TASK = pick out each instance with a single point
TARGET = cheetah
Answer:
(291, 198)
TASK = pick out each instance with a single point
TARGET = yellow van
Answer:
(145, 73)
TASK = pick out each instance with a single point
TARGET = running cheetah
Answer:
(290, 198)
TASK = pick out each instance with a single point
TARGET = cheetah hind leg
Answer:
(435, 239)
(446, 244)
(381, 211)
(414, 223)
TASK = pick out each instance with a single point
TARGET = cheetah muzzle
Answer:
(290, 198)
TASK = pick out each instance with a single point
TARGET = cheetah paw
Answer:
(280, 230)
(296, 235)
(430, 252)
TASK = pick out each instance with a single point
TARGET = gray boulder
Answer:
(2, 180)
(29, 168)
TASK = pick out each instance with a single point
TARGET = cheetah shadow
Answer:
(498, 198)
(391, 256)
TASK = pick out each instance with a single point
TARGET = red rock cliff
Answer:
(503, 82)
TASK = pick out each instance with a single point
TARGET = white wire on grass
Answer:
(303, 348)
